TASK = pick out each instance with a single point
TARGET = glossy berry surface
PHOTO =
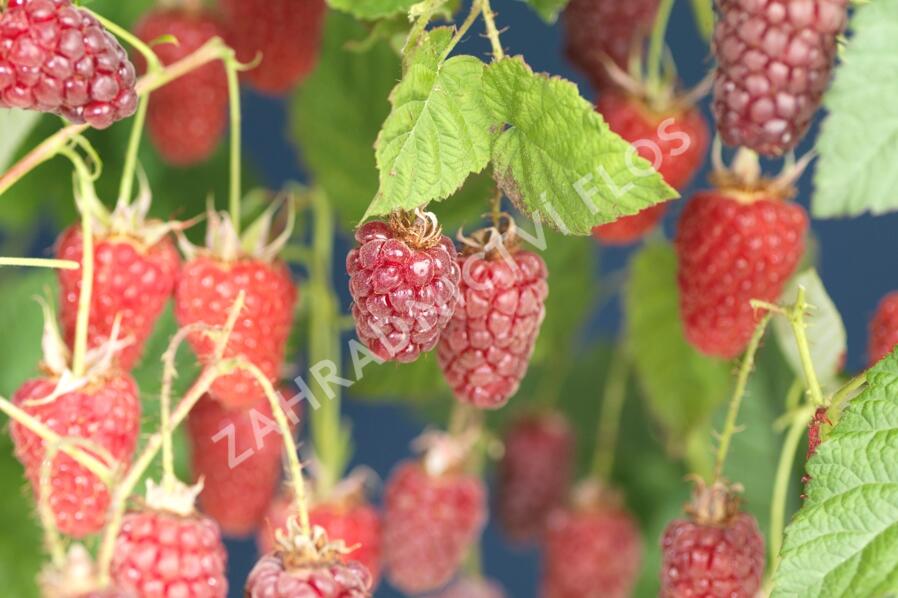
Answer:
(159, 554)
(774, 61)
(55, 57)
(186, 118)
(430, 523)
(673, 141)
(712, 561)
(105, 413)
(883, 330)
(131, 281)
(732, 251)
(206, 292)
(271, 578)
(596, 29)
(236, 453)
(284, 33)
(485, 350)
(403, 296)
(593, 552)
(534, 475)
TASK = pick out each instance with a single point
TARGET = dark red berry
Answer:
(55, 57)
(404, 285)
(187, 117)
(883, 329)
(273, 578)
(774, 61)
(534, 475)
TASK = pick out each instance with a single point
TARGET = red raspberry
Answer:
(286, 33)
(206, 292)
(883, 329)
(236, 453)
(485, 350)
(404, 285)
(187, 117)
(159, 553)
(272, 577)
(472, 588)
(774, 61)
(430, 523)
(104, 412)
(353, 521)
(734, 246)
(597, 30)
(57, 58)
(131, 279)
(534, 475)
(673, 140)
(593, 550)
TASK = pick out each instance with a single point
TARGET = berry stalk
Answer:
(615, 394)
(29, 262)
(231, 68)
(126, 186)
(85, 198)
(656, 46)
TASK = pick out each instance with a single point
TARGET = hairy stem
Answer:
(476, 8)
(799, 329)
(29, 262)
(656, 45)
(609, 420)
(492, 32)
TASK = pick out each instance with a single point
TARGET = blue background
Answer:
(853, 261)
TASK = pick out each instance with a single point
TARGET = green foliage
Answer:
(20, 547)
(682, 386)
(844, 541)
(372, 9)
(15, 125)
(21, 319)
(703, 10)
(438, 131)
(855, 172)
(557, 159)
(548, 9)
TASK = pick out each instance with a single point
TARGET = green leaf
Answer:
(703, 10)
(337, 114)
(21, 320)
(548, 9)
(15, 124)
(420, 381)
(438, 131)
(370, 10)
(21, 553)
(855, 172)
(844, 540)
(682, 386)
(557, 159)
(825, 330)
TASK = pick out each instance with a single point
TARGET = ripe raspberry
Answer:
(674, 141)
(55, 57)
(351, 520)
(105, 412)
(133, 279)
(471, 587)
(286, 33)
(734, 246)
(404, 285)
(597, 30)
(161, 553)
(430, 523)
(534, 475)
(883, 329)
(774, 61)
(593, 548)
(187, 117)
(272, 577)
(236, 452)
(485, 350)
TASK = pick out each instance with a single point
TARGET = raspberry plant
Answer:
(190, 386)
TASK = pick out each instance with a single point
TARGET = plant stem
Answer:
(793, 398)
(153, 63)
(796, 319)
(496, 206)
(29, 262)
(429, 9)
(492, 32)
(656, 46)
(476, 8)
(847, 389)
(236, 123)
(729, 428)
(87, 200)
(126, 186)
(609, 420)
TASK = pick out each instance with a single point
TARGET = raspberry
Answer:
(883, 329)
(534, 474)
(235, 452)
(430, 523)
(774, 61)
(160, 553)
(187, 117)
(734, 246)
(597, 30)
(404, 285)
(472, 588)
(673, 140)
(485, 350)
(133, 279)
(286, 33)
(351, 520)
(55, 57)
(593, 549)
(273, 578)
(206, 292)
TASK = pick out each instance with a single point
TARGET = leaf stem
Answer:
(656, 46)
(615, 394)
(492, 32)
(846, 391)
(30, 262)
(729, 428)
